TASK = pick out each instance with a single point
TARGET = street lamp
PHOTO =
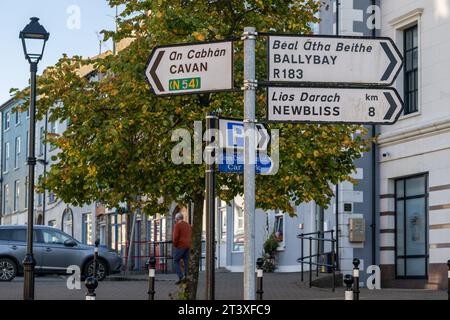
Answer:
(34, 37)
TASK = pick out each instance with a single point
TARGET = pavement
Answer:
(229, 286)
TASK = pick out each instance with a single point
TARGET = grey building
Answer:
(76, 221)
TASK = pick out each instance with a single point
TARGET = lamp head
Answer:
(34, 37)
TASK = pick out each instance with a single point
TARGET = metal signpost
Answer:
(337, 105)
(333, 59)
(191, 68)
(311, 79)
(250, 85)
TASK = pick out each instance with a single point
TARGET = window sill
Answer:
(7, 129)
(5, 172)
(410, 115)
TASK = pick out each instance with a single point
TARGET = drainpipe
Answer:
(374, 164)
(337, 184)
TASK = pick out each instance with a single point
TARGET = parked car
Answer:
(54, 251)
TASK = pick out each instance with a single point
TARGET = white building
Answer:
(414, 153)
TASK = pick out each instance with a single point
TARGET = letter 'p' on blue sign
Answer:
(235, 132)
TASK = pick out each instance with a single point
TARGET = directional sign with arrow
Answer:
(328, 59)
(232, 135)
(191, 68)
(333, 105)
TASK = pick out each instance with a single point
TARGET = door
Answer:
(411, 227)
(57, 256)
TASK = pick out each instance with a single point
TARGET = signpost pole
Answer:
(210, 182)
(250, 84)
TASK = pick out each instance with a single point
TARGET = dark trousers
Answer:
(181, 253)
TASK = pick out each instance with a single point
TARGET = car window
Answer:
(54, 237)
(17, 235)
(5, 234)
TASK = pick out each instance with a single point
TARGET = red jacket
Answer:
(182, 235)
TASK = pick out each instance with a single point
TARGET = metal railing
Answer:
(317, 259)
(162, 251)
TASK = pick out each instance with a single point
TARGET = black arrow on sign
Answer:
(263, 138)
(153, 71)
(391, 57)
(392, 108)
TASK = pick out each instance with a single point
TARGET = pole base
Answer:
(28, 277)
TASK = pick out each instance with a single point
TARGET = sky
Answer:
(73, 26)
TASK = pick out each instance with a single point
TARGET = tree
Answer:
(118, 144)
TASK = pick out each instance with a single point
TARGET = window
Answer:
(278, 227)
(6, 158)
(16, 195)
(411, 227)
(52, 130)
(52, 223)
(26, 192)
(41, 140)
(118, 233)
(17, 154)
(53, 127)
(238, 229)
(7, 120)
(87, 229)
(67, 222)
(411, 52)
(51, 197)
(17, 117)
(6, 208)
(16, 235)
(40, 195)
(54, 237)
(26, 145)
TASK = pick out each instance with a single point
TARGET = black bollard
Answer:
(151, 263)
(91, 282)
(356, 279)
(348, 280)
(448, 281)
(259, 278)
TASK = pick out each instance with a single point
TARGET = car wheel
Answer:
(8, 269)
(101, 269)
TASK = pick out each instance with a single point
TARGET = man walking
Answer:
(182, 243)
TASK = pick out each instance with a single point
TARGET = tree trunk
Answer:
(196, 247)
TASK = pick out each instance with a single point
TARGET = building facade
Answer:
(75, 221)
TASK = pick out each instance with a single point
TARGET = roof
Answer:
(7, 104)
(22, 226)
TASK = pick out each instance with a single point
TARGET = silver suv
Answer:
(54, 251)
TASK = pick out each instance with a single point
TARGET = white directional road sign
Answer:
(232, 135)
(333, 105)
(325, 59)
(191, 68)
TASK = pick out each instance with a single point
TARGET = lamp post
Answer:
(34, 37)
